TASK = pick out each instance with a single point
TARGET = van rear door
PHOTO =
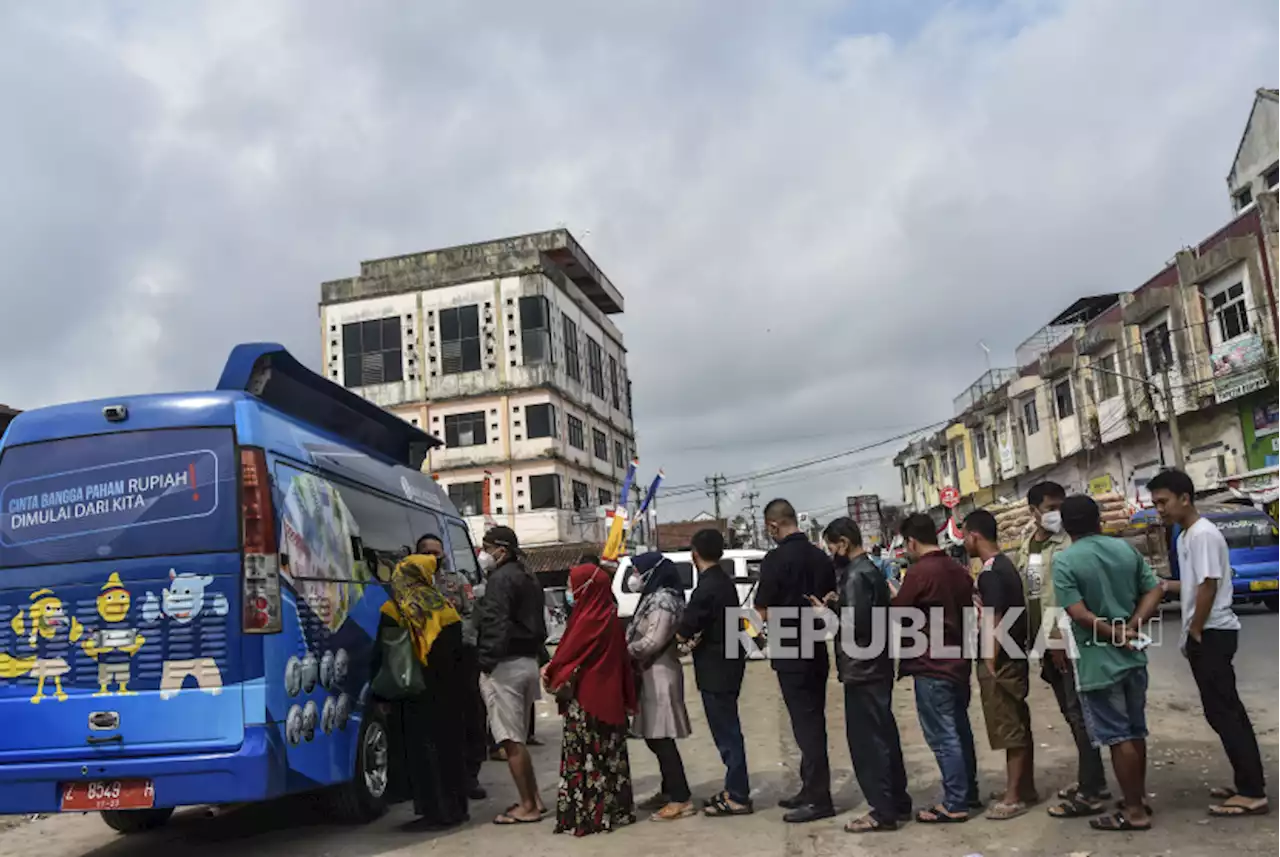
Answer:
(119, 595)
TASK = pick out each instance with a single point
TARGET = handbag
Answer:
(399, 675)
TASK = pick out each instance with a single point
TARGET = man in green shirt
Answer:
(1109, 591)
(1035, 560)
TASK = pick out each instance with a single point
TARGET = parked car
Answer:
(1254, 544)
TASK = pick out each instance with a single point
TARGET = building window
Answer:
(1158, 347)
(595, 367)
(1030, 417)
(1062, 397)
(605, 496)
(581, 496)
(601, 444)
(468, 497)
(371, 352)
(1272, 177)
(960, 457)
(1244, 198)
(613, 382)
(544, 491)
(464, 429)
(571, 364)
(1228, 307)
(619, 454)
(980, 445)
(1107, 382)
(460, 339)
(629, 415)
(576, 438)
(535, 329)
(541, 420)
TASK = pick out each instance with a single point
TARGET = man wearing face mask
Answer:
(512, 632)
(1035, 562)
(790, 573)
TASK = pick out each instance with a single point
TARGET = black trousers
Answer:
(674, 783)
(475, 716)
(805, 695)
(1215, 676)
(876, 750)
(1090, 774)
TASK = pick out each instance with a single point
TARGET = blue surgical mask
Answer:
(568, 597)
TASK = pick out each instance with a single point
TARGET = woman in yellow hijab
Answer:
(431, 725)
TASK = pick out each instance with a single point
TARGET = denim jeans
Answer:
(726, 731)
(943, 707)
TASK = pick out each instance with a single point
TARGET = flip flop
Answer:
(1222, 793)
(1076, 807)
(544, 812)
(1117, 822)
(868, 824)
(1072, 791)
(1004, 811)
(505, 820)
(937, 814)
(668, 814)
(1235, 810)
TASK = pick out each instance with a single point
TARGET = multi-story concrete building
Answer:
(506, 351)
(1088, 403)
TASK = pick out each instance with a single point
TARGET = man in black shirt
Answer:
(718, 671)
(792, 572)
(1002, 677)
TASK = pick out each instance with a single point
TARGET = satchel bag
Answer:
(399, 676)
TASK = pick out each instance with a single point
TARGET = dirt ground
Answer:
(1185, 755)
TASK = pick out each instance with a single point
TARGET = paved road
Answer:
(1185, 759)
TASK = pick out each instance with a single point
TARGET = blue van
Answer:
(190, 588)
(1251, 536)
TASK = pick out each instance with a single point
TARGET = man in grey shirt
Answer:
(1210, 634)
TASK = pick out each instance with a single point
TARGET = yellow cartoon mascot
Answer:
(52, 634)
(114, 642)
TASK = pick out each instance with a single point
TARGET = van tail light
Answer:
(261, 596)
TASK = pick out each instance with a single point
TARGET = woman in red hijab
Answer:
(591, 674)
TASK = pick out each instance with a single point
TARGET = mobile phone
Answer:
(1140, 642)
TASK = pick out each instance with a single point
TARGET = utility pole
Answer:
(751, 508)
(715, 487)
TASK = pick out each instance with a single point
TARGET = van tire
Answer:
(129, 821)
(1273, 603)
(364, 798)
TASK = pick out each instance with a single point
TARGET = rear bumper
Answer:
(208, 778)
(1244, 591)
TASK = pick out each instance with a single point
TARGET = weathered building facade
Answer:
(505, 350)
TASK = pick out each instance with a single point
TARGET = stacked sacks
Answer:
(1013, 521)
(1116, 510)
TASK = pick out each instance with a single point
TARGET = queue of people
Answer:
(613, 682)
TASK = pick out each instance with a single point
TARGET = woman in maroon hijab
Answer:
(591, 675)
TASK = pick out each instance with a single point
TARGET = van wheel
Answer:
(136, 820)
(364, 798)
(1273, 603)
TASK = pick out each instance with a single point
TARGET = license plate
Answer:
(1257, 585)
(108, 794)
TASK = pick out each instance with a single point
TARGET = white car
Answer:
(743, 566)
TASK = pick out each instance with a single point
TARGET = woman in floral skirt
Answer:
(591, 676)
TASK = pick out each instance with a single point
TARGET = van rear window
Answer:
(132, 494)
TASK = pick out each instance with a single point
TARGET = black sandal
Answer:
(1117, 822)
(1146, 807)
(1072, 792)
(1076, 807)
(719, 807)
(937, 814)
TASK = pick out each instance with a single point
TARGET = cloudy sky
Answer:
(815, 210)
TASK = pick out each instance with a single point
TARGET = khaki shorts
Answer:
(1004, 704)
(509, 694)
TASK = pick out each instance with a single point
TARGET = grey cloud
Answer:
(814, 212)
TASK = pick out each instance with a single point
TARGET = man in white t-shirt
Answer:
(1210, 634)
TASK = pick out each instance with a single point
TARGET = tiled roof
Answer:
(561, 557)
(676, 535)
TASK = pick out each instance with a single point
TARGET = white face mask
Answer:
(1052, 522)
(635, 581)
(487, 562)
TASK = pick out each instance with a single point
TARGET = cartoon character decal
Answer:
(113, 643)
(52, 636)
(182, 603)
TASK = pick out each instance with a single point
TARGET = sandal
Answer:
(869, 824)
(1004, 811)
(1146, 807)
(1076, 807)
(1072, 791)
(937, 814)
(504, 820)
(542, 810)
(654, 803)
(673, 811)
(1222, 793)
(719, 807)
(1238, 810)
(1116, 822)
